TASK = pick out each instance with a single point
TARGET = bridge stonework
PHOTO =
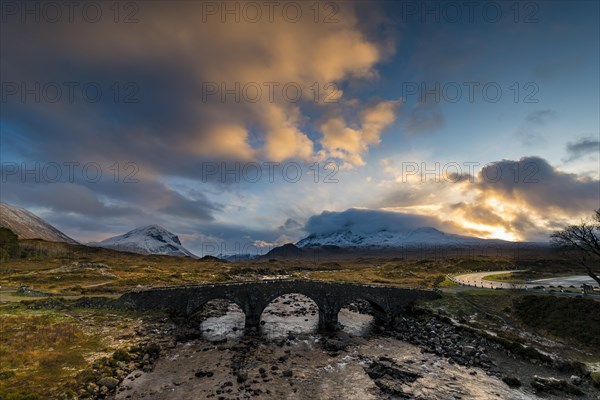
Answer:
(254, 297)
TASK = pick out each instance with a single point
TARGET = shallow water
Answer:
(228, 326)
(315, 373)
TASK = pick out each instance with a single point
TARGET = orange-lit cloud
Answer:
(521, 199)
(351, 143)
(222, 141)
(292, 63)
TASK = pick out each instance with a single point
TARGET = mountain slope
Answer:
(288, 250)
(151, 239)
(27, 225)
(386, 238)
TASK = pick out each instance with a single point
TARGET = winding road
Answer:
(476, 279)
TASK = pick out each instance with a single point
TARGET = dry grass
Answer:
(43, 352)
(410, 273)
(41, 348)
(126, 270)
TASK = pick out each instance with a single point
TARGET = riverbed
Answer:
(288, 359)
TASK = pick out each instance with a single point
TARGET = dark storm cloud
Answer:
(543, 187)
(582, 147)
(162, 119)
(63, 198)
(142, 200)
(366, 221)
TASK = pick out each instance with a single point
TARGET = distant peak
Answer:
(149, 239)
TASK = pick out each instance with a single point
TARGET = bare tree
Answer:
(583, 241)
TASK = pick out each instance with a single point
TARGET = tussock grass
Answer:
(43, 352)
(39, 349)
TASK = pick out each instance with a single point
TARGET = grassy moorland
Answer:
(55, 348)
(47, 349)
(80, 270)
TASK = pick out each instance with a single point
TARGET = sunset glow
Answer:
(236, 132)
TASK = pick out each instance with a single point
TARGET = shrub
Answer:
(9, 244)
(121, 355)
(438, 280)
(574, 319)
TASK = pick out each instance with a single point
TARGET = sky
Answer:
(241, 126)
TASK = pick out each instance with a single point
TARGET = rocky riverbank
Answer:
(419, 357)
(517, 365)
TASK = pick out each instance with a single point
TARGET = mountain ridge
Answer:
(27, 225)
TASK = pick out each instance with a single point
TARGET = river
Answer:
(290, 360)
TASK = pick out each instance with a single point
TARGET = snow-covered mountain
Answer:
(27, 225)
(387, 238)
(151, 239)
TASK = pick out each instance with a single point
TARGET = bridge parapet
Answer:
(254, 297)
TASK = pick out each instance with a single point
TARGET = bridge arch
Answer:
(218, 318)
(379, 311)
(275, 295)
(299, 309)
(256, 305)
(197, 302)
(329, 320)
(379, 315)
(199, 305)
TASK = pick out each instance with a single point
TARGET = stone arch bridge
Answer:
(254, 297)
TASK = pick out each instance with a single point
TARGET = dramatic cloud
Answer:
(367, 221)
(210, 89)
(510, 199)
(179, 89)
(183, 90)
(533, 181)
(525, 198)
(347, 143)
